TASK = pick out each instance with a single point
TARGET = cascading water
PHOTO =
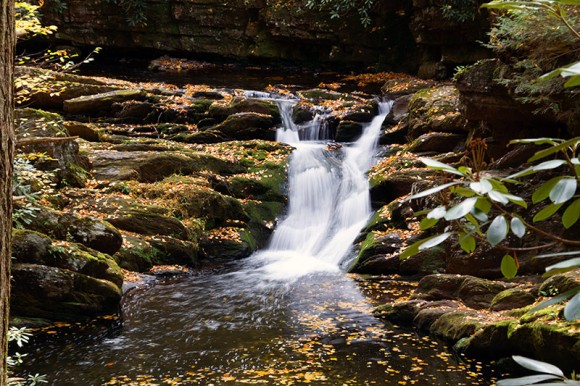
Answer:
(329, 200)
(265, 320)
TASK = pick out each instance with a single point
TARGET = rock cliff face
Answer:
(266, 29)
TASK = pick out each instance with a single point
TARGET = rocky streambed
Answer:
(115, 177)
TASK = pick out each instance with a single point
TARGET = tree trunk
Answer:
(7, 42)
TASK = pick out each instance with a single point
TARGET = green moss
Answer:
(454, 326)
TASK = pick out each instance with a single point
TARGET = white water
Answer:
(329, 201)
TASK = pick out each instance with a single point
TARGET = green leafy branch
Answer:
(485, 212)
(547, 372)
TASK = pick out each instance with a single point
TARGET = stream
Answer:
(286, 315)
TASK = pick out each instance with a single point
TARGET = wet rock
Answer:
(456, 325)
(29, 245)
(437, 142)
(101, 103)
(373, 257)
(212, 95)
(388, 216)
(399, 312)
(206, 136)
(266, 189)
(302, 113)
(512, 298)
(362, 113)
(60, 294)
(429, 313)
(348, 131)
(399, 110)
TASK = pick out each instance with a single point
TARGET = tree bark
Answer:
(7, 41)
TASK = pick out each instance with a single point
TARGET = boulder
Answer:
(472, 291)
(135, 111)
(59, 294)
(136, 254)
(170, 251)
(91, 232)
(301, 113)
(393, 134)
(244, 126)
(425, 262)
(373, 257)
(222, 110)
(386, 188)
(363, 112)
(560, 283)
(399, 110)
(86, 131)
(228, 243)
(348, 131)
(435, 109)
(101, 103)
(152, 166)
(512, 298)
(146, 223)
(320, 94)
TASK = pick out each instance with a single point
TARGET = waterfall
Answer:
(329, 201)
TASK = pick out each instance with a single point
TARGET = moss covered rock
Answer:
(146, 223)
(474, 292)
(376, 254)
(512, 298)
(348, 131)
(101, 103)
(247, 125)
(64, 159)
(136, 254)
(91, 232)
(435, 109)
(221, 110)
(59, 294)
(228, 243)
